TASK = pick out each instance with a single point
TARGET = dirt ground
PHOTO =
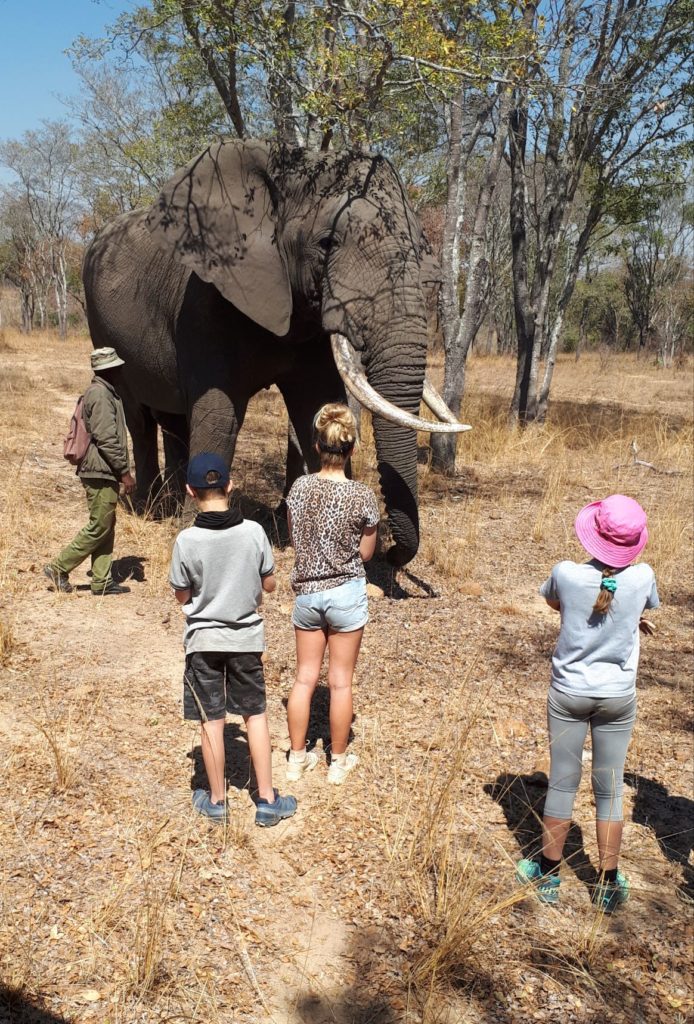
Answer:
(390, 899)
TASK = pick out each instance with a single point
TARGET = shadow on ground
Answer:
(238, 767)
(18, 1008)
(670, 818)
(129, 567)
(362, 1002)
(319, 720)
(522, 799)
(379, 993)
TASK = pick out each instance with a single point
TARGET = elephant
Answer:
(260, 264)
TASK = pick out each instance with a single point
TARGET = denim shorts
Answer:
(342, 609)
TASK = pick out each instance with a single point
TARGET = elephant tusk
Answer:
(355, 380)
(435, 402)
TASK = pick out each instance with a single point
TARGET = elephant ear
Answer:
(217, 216)
(429, 267)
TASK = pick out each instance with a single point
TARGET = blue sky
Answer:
(34, 70)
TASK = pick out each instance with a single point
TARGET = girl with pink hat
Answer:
(594, 686)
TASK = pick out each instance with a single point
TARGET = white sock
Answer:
(339, 758)
(297, 756)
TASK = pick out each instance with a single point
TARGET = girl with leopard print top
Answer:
(333, 522)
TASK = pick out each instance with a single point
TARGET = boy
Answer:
(219, 569)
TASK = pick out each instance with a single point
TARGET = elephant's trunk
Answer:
(399, 378)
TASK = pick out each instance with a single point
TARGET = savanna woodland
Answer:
(547, 151)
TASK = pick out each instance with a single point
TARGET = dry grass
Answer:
(122, 908)
(4, 342)
(60, 742)
(7, 640)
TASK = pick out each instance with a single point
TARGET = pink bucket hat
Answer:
(613, 530)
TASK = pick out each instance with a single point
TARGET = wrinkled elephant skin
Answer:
(235, 279)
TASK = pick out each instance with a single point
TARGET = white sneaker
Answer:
(338, 771)
(297, 769)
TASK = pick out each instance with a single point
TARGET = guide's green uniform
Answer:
(100, 471)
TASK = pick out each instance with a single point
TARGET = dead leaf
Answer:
(88, 995)
(512, 727)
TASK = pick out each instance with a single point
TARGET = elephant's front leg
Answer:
(143, 433)
(174, 430)
(304, 392)
(215, 420)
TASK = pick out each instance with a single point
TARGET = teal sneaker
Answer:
(546, 886)
(608, 896)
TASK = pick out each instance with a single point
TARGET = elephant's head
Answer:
(331, 238)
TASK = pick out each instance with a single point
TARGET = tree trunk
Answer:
(582, 328)
(280, 89)
(525, 320)
(60, 280)
(224, 79)
(449, 303)
(27, 312)
(459, 332)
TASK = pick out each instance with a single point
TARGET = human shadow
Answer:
(367, 1000)
(238, 767)
(670, 818)
(125, 569)
(17, 1008)
(319, 719)
(362, 1002)
(128, 567)
(522, 799)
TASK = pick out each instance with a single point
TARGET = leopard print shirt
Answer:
(328, 518)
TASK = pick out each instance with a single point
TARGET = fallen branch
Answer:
(647, 465)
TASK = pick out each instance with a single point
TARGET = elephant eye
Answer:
(326, 243)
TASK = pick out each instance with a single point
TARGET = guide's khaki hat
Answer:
(105, 359)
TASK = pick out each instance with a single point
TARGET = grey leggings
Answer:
(611, 720)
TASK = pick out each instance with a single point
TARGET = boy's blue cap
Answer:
(207, 470)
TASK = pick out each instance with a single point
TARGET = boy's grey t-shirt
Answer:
(224, 570)
(598, 655)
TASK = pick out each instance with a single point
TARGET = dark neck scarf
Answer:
(218, 520)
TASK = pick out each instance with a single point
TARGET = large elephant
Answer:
(261, 264)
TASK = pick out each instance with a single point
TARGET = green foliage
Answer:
(598, 314)
(361, 73)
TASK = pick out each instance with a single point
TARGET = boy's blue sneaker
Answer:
(267, 813)
(203, 805)
(608, 896)
(528, 872)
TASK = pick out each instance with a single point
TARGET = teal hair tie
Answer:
(609, 584)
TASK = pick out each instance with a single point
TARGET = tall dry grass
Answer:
(434, 838)
(437, 853)
(582, 452)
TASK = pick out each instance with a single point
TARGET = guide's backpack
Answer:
(78, 437)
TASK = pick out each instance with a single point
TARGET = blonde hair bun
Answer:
(336, 431)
